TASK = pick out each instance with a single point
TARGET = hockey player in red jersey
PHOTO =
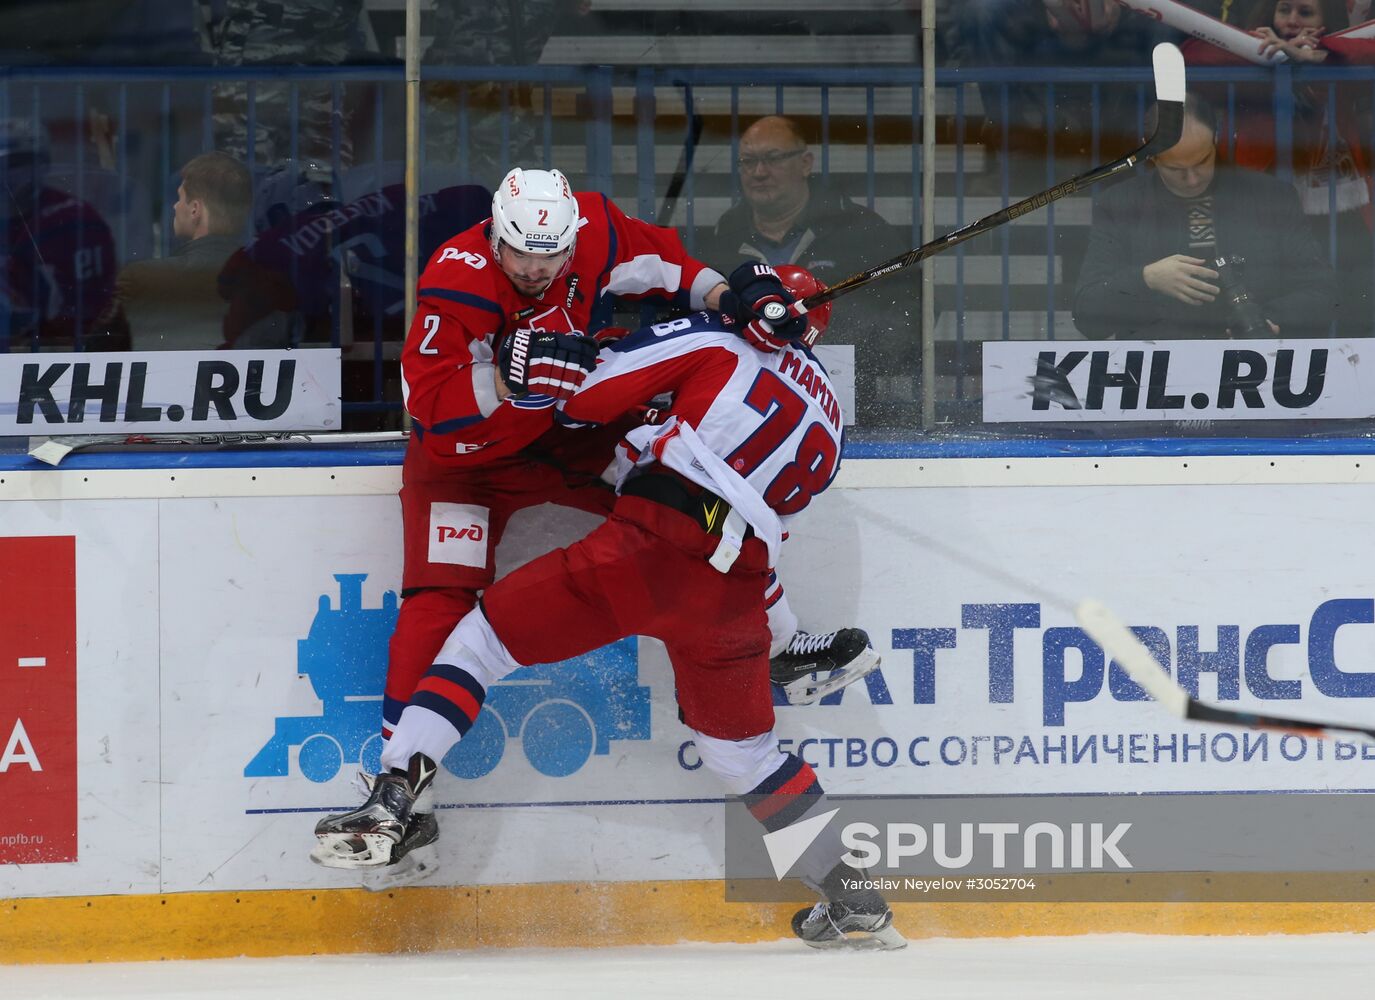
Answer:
(533, 272)
(538, 268)
(752, 435)
(526, 282)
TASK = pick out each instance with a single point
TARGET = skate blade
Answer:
(887, 939)
(806, 690)
(352, 850)
(418, 866)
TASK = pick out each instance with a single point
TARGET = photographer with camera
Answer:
(1198, 250)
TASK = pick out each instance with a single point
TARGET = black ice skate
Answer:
(850, 917)
(815, 665)
(416, 858)
(386, 828)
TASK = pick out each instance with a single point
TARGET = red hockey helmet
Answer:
(800, 282)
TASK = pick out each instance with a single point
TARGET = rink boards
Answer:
(199, 665)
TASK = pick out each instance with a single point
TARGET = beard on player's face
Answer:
(530, 273)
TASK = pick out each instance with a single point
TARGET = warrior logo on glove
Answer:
(547, 364)
(760, 298)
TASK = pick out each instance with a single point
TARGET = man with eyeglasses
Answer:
(785, 218)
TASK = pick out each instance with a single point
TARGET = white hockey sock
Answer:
(449, 697)
(782, 621)
(758, 767)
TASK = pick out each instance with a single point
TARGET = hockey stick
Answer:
(52, 450)
(1121, 645)
(675, 183)
(1169, 104)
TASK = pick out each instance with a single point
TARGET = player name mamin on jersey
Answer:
(811, 382)
(1176, 380)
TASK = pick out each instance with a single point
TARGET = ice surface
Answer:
(1098, 967)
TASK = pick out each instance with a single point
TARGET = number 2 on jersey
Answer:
(814, 463)
(431, 328)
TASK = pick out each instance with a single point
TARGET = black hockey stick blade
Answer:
(1169, 103)
(675, 184)
(1120, 644)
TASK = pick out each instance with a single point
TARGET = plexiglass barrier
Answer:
(237, 182)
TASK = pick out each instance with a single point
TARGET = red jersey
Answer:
(60, 267)
(466, 305)
(1251, 140)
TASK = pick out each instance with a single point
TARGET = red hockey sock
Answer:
(425, 621)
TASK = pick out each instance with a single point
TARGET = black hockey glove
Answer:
(756, 299)
(550, 364)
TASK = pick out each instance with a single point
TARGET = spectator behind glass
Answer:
(1048, 33)
(303, 232)
(57, 254)
(785, 218)
(175, 303)
(1331, 162)
(1149, 273)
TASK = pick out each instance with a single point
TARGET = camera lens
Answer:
(1247, 319)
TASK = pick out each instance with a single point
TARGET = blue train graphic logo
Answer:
(562, 713)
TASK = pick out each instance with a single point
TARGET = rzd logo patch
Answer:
(458, 534)
(473, 531)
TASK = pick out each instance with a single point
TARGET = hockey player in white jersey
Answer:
(752, 434)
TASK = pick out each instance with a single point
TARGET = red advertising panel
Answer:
(38, 699)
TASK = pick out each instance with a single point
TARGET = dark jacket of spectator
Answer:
(179, 302)
(833, 238)
(1254, 216)
(174, 302)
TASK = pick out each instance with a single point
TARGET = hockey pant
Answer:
(452, 520)
(439, 588)
(429, 617)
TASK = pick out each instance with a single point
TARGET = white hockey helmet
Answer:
(535, 212)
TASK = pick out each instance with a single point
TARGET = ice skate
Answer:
(386, 828)
(814, 665)
(853, 917)
(416, 858)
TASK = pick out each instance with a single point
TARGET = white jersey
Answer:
(764, 431)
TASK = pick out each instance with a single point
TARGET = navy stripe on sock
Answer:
(442, 706)
(786, 772)
(784, 797)
(452, 693)
(793, 809)
(461, 677)
(391, 712)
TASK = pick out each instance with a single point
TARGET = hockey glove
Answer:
(754, 288)
(656, 411)
(550, 364)
(610, 334)
(770, 337)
